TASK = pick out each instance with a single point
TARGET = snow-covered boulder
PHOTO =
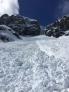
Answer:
(7, 34)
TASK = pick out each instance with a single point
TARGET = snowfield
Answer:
(35, 64)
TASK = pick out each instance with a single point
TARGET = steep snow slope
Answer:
(38, 64)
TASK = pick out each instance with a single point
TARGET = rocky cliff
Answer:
(24, 26)
(58, 28)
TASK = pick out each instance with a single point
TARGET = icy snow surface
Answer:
(38, 64)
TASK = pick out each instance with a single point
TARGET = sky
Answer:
(10, 7)
(45, 11)
(42, 10)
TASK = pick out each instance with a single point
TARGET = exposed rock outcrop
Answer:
(21, 25)
(24, 26)
(58, 28)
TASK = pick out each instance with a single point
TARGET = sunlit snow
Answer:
(35, 64)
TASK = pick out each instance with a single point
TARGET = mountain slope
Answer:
(35, 64)
(24, 26)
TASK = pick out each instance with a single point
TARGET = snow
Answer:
(8, 33)
(35, 64)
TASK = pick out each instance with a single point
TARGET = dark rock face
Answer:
(4, 19)
(32, 27)
(59, 28)
(21, 25)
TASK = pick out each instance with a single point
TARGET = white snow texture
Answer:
(35, 64)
